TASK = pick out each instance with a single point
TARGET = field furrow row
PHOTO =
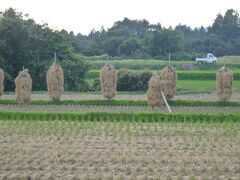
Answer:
(107, 150)
(119, 109)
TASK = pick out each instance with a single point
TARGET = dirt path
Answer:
(89, 96)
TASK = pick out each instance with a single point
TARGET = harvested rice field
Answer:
(33, 149)
(86, 137)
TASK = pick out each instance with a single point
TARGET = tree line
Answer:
(25, 43)
(140, 39)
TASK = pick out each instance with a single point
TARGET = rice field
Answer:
(99, 141)
(32, 149)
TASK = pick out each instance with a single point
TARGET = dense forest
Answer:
(24, 43)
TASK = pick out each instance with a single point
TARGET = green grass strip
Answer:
(126, 102)
(182, 75)
(115, 117)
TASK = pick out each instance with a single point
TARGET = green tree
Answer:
(231, 24)
(111, 45)
(217, 27)
(129, 46)
(161, 43)
(26, 43)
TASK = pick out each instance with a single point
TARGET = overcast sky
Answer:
(84, 15)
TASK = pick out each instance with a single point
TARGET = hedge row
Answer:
(125, 102)
(156, 65)
(182, 75)
(116, 117)
(137, 64)
(132, 81)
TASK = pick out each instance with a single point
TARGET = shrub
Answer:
(96, 84)
(133, 81)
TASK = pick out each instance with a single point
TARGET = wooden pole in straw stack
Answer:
(166, 103)
(169, 77)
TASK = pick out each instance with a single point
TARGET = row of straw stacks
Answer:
(23, 84)
(166, 83)
(157, 85)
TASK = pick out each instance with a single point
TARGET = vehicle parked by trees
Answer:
(209, 59)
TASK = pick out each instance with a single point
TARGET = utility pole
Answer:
(55, 57)
(169, 56)
(224, 62)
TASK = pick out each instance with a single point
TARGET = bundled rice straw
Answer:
(55, 82)
(155, 87)
(108, 79)
(23, 89)
(224, 80)
(169, 77)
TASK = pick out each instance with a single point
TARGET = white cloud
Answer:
(84, 15)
